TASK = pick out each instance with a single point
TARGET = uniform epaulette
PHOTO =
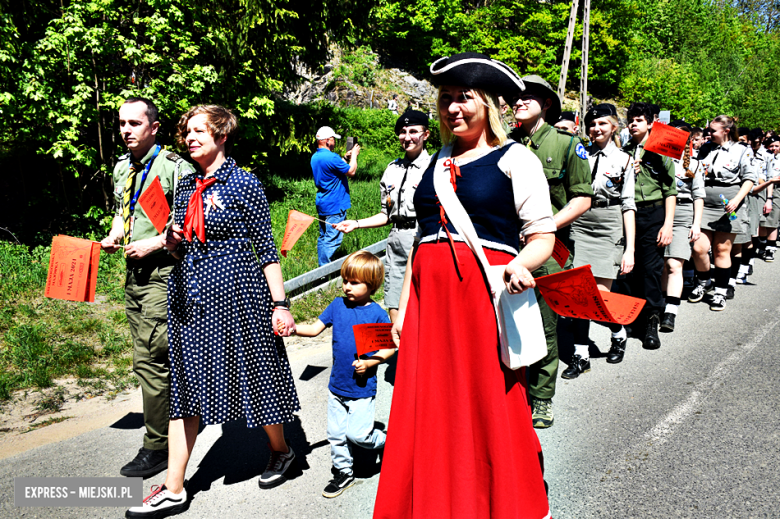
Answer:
(124, 157)
(173, 157)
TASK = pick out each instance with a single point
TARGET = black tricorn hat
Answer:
(474, 70)
(410, 118)
(568, 116)
(598, 111)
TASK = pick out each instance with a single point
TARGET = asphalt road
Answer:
(690, 430)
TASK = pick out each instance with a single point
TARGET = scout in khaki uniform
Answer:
(565, 164)
(148, 266)
(655, 195)
(397, 188)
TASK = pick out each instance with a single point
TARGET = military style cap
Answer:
(568, 116)
(410, 118)
(474, 70)
(536, 85)
(599, 111)
(772, 138)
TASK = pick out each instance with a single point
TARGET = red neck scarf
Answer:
(194, 218)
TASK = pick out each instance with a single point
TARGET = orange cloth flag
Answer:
(574, 293)
(297, 223)
(155, 205)
(560, 253)
(667, 140)
(73, 269)
(372, 337)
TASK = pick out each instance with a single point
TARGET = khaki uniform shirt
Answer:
(689, 188)
(614, 179)
(398, 185)
(565, 163)
(168, 167)
(727, 164)
(655, 180)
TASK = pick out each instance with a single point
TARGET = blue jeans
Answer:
(351, 421)
(330, 239)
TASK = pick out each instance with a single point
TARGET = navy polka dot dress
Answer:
(226, 362)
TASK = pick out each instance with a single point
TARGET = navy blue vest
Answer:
(486, 194)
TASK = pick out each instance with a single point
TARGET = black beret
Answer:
(599, 111)
(679, 123)
(474, 70)
(769, 140)
(410, 118)
(755, 133)
(568, 116)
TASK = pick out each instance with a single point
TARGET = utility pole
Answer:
(567, 55)
(567, 48)
(584, 73)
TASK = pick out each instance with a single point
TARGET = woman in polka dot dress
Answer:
(223, 296)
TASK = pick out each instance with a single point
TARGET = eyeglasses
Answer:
(525, 98)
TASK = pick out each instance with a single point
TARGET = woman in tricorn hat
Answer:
(461, 442)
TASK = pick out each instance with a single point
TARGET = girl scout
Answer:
(687, 228)
(729, 175)
(603, 237)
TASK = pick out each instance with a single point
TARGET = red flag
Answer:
(667, 140)
(73, 267)
(297, 223)
(155, 205)
(574, 293)
(560, 253)
(372, 337)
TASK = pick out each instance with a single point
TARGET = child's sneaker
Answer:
(160, 503)
(278, 464)
(338, 485)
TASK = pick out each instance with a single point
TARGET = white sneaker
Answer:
(278, 464)
(160, 503)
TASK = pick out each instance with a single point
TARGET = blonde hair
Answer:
(364, 267)
(613, 120)
(496, 135)
(220, 121)
(728, 124)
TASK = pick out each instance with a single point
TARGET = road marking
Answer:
(659, 434)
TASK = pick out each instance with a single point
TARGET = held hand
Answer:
(173, 237)
(627, 263)
(110, 244)
(767, 207)
(664, 236)
(360, 366)
(396, 330)
(694, 233)
(347, 226)
(142, 248)
(637, 166)
(355, 151)
(732, 205)
(517, 279)
(283, 322)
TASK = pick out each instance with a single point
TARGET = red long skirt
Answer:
(461, 443)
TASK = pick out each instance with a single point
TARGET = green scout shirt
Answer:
(565, 163)
(168, 166)
(655, 180)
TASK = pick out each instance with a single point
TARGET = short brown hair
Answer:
(220, 121)
(364, 267)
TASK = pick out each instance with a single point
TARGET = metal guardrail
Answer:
(325, 273)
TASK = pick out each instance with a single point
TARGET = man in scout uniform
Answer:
(568, 122)
(148, 267)
(655, 194)
(565, 163)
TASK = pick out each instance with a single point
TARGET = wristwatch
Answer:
(282, 304)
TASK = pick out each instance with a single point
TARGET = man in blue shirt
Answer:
(330, 176)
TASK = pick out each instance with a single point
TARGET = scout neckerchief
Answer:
(128, 204)
(194, 219)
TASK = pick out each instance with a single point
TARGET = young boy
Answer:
(352, 380)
